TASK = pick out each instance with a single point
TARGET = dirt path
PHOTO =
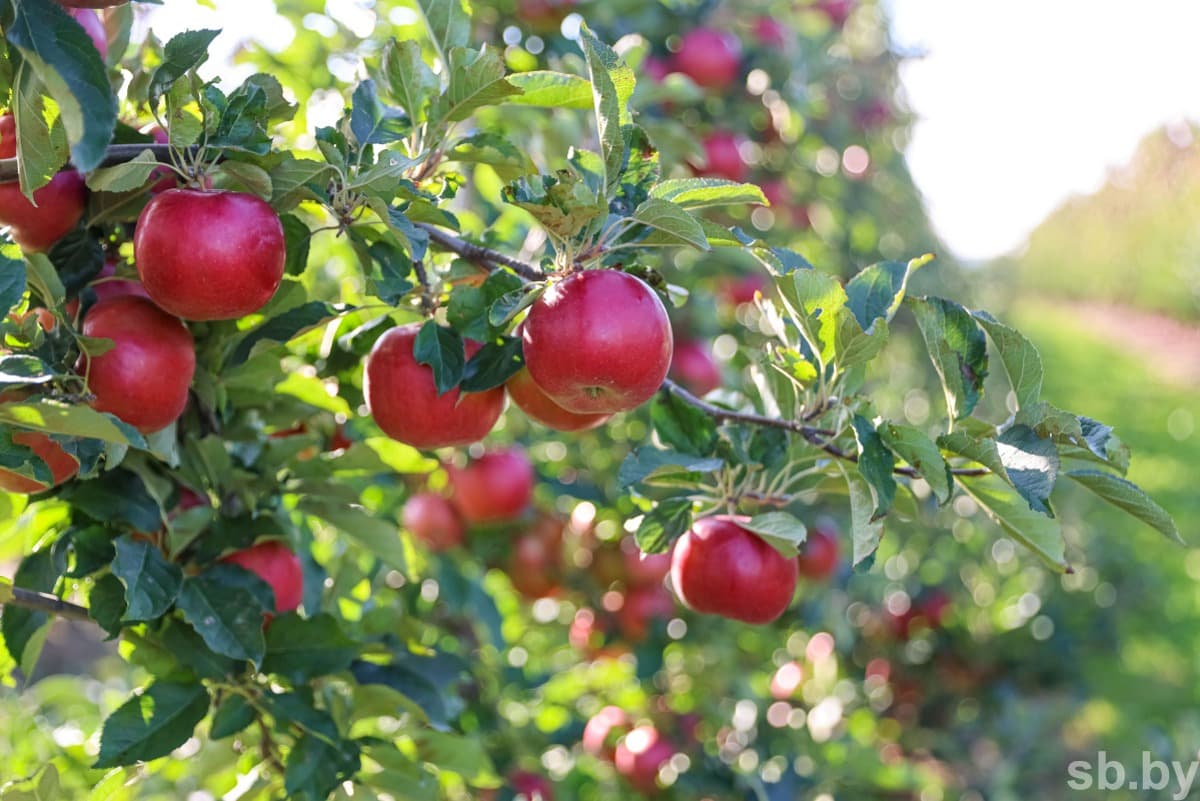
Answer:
(1170, 347)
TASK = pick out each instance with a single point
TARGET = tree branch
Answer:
(485, 257)
(117, 154)
(44, 602)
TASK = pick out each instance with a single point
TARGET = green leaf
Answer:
(851, 344)
(151, 582)
(12, 283)
(229, 618)
(152, 723)
(442, 350)
(510, 304)
(664, 524)
(189, 649)
(106, 603)
(124, 177)
(875, 465)
(958, 349)
(1038, 533)
(683, 427)
(301, 649)
(448, 22)
(377, 536)
(509, 161)
(648, 464)
(670, 219)
(44, 280)
(373, 123)
(916, 448)
(783, 530)
(477, 79)
(703, 193)
(232, 716)
(63, 57)
(116, 496)
(1019, 356)
(18, 370)
(865, 530)
(282, 328)
(72, 421)
(1031, 463)
(316, 767)
(876, 292)
(409, 80)
(294, 180)
(184, 53)
(981, 450)
(1128, 497)
(42, 147)
(246, 177)
(466, 756)
(547, 89)
(20, 626)
(492, 365)
(816, 301)
(601, 62)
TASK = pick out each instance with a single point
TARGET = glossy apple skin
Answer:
(539, 407)
(819, 555)
(602, 730)
(640, 755)
(496, 487)
(209, 255)
(62, 465)
(404, 400)
(711, 58)
(723, 569)
(693, 366)
(144, 378)
(57, 206)
(90, 21)
(276, 564)
(722, 158)
(598, 342)
(531, 786)
(434, 521)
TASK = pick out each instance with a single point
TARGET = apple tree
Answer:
(492, 437)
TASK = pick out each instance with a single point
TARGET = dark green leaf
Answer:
(185, 52)
(876, 292)
(106, 603)
(19, 625)
(189, 649)
(875, 465)
(117, 496)
(865, 530)
(232, 716)
(229, 618)
(681, 426)
(301, 649)
(315, 767)
(152, 723)
(916, 448)
(665, 523)
(477, 79)
(1031, 463)
(391, 273)
(442, 350)
(18, 370)
(78, 257)
(12, 283)
(282, 328)
(373, 123)
(492, 365)
(958, 348)
(512, 303)
(151, 582)
(649, 463)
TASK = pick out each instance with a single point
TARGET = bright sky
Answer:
(1021, 103)
(1025, 102)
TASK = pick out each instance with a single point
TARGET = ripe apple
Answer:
(723, 158)
(538, 406)
(819, 557)
(598, 342)
(642, 607)
(530, 786)
(644, 570)
(62, 465)
(497, 486)
(91, 23)
(711, 58)
(544, 16)
(433, 520)
(770, 32)
(535, 564)
(144, 378)
(404, 400)
(741, 289)
(692, 365)
(721, 568)
(276, 564)
(656, 69)
(57, 206)
(639, 756)
(209, 255)
(602, 731)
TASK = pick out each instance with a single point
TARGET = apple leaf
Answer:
(125, 177)
(672, 222)
(232, 716)
(876, 292)
(409, 80)
(151, 582)
(20, 626)
(547, 89)
(865, 530)
(958, 348)
(152, 723)
(916, 448)
(602, 61)
(303, 648)
(229, 618)
(448, 22)
(1128, 497)
(875, 465)
(492, 365)
(182, 54)
(703, 193)
(12, 283)
(106, 604)
(42, 147)
(441, 349)
(664, 524)
(316, 766)
(1036, 531)
(1019, 356)
(782, 530)
(373, 123)
(1031, 464)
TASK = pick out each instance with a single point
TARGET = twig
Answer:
(44, 602)
(485, 257)
(116, 154)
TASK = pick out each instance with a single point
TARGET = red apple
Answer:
(530, 786)
(838, 11)
(723, 158)
(497, 486)
(535, 564)
(276, 564)
(933, 607)
(644, 569)
(57, 206)
(711, 58)
(209, 255)
(91, 23)
(404, 400)
(692, 365)
(770, 32)
(656, 69)
(544, 16)
(819, 554)
(62, 465)
(644, 606)
(538, 406)
(723, 569)
(434, 521)
(602, 731)
(873, 115)
(640, 755)
(598, 342)
(741, 289)
(144, 378)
